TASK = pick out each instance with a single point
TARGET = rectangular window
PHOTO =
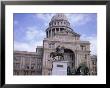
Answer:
(49, 45)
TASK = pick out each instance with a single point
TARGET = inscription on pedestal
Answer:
(59, 68)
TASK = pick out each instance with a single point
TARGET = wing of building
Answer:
(59, 33)
(27, 63)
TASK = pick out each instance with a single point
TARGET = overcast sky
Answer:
(29, 29)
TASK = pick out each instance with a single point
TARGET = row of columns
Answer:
(51, 33)
(80, 58)
(59, 23)
(29, 61)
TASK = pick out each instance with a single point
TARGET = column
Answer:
(78, 59)
(87, 59)
(89, 62)
(20, 62)
(29, 62)
(59, 29)
(55, 30)
(51, 32)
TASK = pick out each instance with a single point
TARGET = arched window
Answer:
(64, 22)
(61, 23)
(58, 23)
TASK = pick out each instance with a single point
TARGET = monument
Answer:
(59, 68)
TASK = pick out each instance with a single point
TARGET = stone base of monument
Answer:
(59, 68)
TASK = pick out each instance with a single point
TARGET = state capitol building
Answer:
(62, 53)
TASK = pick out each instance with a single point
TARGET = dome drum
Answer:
(51, 31)
(59, 23)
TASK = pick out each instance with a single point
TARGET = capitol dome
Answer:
(59, 16)
(59, 24)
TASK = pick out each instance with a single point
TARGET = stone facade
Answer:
(94, 64)
(27, 63)
(60, 33)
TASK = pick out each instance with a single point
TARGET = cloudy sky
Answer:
(29, 29)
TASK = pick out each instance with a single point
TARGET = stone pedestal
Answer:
(59, 68)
